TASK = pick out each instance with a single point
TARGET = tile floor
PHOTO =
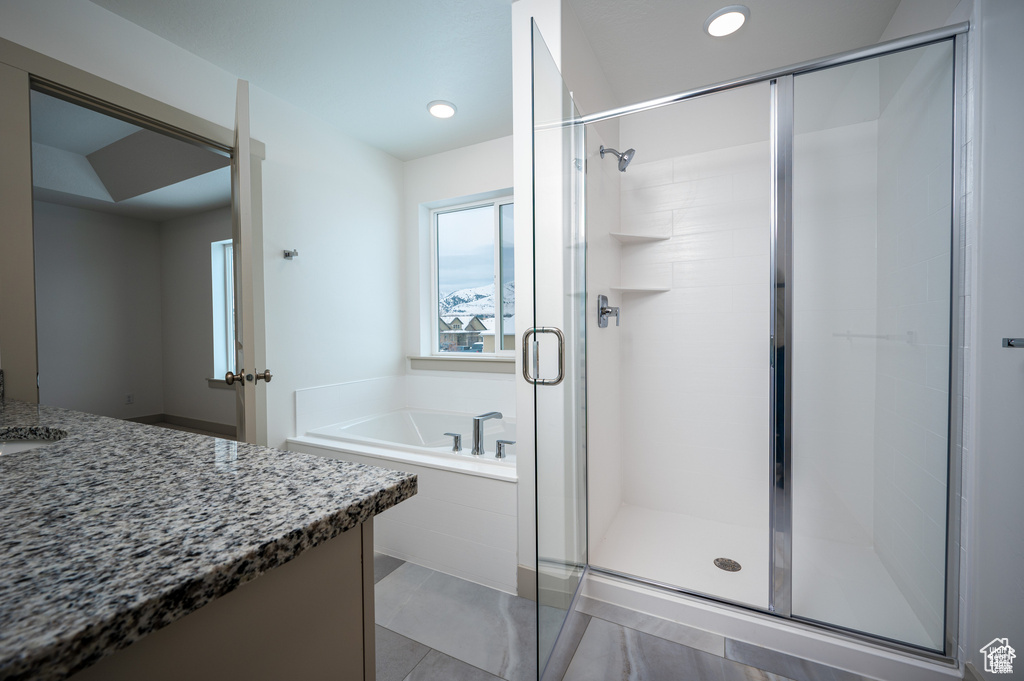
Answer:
(432, 626)
(435, 627)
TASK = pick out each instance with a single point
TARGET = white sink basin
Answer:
(12, 446)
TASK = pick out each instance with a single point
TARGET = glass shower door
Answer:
(553, 350)
(870, 348)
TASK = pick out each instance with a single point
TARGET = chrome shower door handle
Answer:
(532, 333)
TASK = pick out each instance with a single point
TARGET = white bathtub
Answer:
(463, 519)
(418, 436)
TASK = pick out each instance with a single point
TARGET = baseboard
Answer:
(198, 424)
(526, 582)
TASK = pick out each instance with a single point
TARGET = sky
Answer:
(465, 249)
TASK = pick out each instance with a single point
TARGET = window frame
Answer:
(434, 298)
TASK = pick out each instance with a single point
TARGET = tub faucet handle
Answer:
(499, 448)
(456, 441)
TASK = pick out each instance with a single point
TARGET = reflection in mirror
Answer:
(124, 219)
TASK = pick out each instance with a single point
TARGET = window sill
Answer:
(219, 383)
(487, 365)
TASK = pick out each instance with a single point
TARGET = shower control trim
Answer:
(604, 312)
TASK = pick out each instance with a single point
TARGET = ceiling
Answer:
(87, 159)
(630, 35)
(370, 67)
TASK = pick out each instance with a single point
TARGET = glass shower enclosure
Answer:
(774, 424)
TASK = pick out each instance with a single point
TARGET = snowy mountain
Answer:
(477, 301)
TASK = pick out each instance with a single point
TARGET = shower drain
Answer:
(727, 564)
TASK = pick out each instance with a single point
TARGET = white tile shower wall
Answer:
(914, 212)
(324, 405)
(694, 360)
(834, 225)
(604, 378)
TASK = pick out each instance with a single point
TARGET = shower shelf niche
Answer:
(641, 289)
(636, 238)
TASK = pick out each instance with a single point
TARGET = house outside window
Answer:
(474, 278)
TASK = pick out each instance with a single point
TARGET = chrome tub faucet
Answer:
(478, 431)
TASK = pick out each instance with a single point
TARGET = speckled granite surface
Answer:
(121, 528)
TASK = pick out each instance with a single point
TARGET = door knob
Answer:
(266, 376)
(230, 378)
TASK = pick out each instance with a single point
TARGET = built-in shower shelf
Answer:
(641, 289)
(636, 238)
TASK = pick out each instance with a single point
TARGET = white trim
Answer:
(484, 364)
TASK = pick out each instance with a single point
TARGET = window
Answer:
(222, 265)
(474, 278)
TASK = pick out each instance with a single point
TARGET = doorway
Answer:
(129, 226)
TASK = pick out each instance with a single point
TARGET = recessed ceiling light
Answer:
(441, 109)
(726, 20)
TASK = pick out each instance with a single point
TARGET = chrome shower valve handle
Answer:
(604, 311)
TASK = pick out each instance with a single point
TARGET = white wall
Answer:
(993, 487)
(91, 38)
(98, 311)
(334, 313)
(187, 318)
(335, 199)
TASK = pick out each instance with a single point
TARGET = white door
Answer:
(250, 418)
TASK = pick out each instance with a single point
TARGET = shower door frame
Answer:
(781, 495)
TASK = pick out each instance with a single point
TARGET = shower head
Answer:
(624, 157)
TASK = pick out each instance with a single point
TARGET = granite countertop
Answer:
(120, 528)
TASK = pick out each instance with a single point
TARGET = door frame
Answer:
(21, 69)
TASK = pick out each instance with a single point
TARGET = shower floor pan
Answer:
(834, 582)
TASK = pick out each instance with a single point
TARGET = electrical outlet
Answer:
(129, 398)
